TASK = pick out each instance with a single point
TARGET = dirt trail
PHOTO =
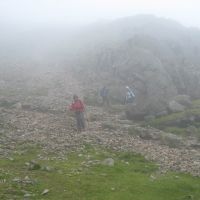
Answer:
(55, 133)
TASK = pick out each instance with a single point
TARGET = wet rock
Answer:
(108, 162)
(33, 165)
(47, 168)
(46, 191)
(16, 180)
(11, 159)
(27, 195)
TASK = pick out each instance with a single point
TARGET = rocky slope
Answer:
(158, 58)
(55, 133)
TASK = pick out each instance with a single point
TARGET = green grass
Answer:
(80, 177)
(176, 130)
(167, 120)
(180, 123)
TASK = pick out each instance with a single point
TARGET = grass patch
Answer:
(161, 122)
(82, 177)
(176, 130)
(196, 103)
(182, 123)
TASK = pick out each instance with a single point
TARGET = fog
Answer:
(61, 31)
(136, 66)
(39, 12)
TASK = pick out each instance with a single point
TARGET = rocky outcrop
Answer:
(153, 58)
(175, 106)
(184, 100)
(179, 103)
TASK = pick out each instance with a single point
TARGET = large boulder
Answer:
(184, 100)
(108, 162)
(135, 112)
(17, 106)
(174, 106)
(171, 140)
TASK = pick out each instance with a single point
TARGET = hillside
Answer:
(151, 145)
(43, 157)
(159, 58)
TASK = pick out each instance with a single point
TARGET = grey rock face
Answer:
(184, 100)
(157, 63)
(175, 106)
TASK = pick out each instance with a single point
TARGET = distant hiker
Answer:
(78, 107)
(104, 95)
(130, 96)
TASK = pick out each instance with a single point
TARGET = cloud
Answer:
(85, 11)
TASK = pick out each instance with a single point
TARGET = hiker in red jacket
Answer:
(78, 107)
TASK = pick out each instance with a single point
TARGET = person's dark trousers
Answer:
(80, 120)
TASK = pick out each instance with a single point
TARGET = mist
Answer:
(99, 99)
(47, 21)
(38, 13)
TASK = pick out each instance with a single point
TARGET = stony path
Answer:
(178, 159)
(55, 133)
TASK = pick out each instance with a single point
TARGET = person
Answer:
(78, 108)
(104, 95)
(130, 96)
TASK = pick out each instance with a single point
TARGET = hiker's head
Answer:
(75, 97)
(127, 87)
